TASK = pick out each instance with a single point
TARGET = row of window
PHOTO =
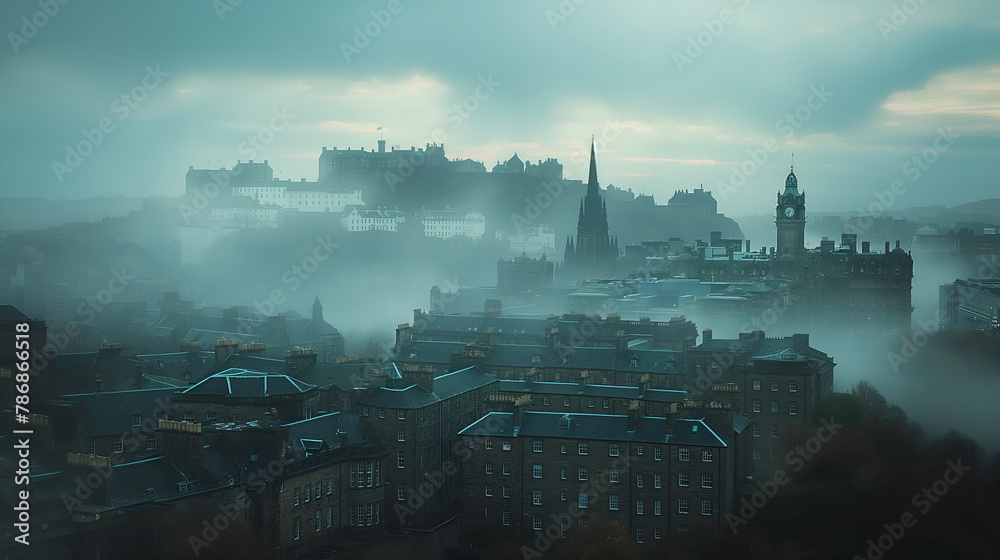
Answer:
(583, 448)
(118, 446)
(366, 474)
(756, 431)
(360, 516)
(793, 407)
(400, 414)
(793, 386)
(303, 494)
(210, 417)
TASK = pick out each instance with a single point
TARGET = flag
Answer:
(379, 128)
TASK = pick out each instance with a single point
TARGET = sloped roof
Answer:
(236, 382)
(110, 413)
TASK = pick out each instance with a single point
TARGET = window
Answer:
(505, 445)
(793, 408)
(536, 497)
(536, 471)
(488, 444)
(489, 490)
(536, 522)
(607, 404)
(562, 530)
(489, 468)
(506, 516)
(364, 411)
(562, 473)
(136, 420)
(506, 491)
(756, 384)
(774, 431)
(306, 492)
(612, 450)
(774, 385)
(210, 417)
(583, 448)
(756, 430)
(683, 479)
(774, 407)
(656, 480)
(562, 496)
(683, 454)
(536, 446)
(92, 446)
(683, 505)
(189, 417)
(657, 509)
(590, 402)
(381, 414)
(638, 534)
(546, 401)
(150, 443)
(329, 517)
(318, 520)
(296, 527)
(613, 475)
(566, 402)
(506, 468)
(401, 460)
(119, 445)
(656, 454)
(756, 405)
(401, 415)
(319, 488)
(562, 449)
(639, 450)
(706, 455)
(706, 481)
(400, 492)
(582, 499)
(400, 435)
(706, 507)
(295, 502)
(793, 387)
(329, 485)
(638, 480)
(582, 473)
(756, 454)
(613, 502)
(639, 507)
(657, 533)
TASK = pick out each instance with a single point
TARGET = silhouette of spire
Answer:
(592, 186)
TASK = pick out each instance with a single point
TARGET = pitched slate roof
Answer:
(592, 390)
(322, 433)
(602, 427)
(145, 480)
(110, 413)
(446, 386)
(235, 382)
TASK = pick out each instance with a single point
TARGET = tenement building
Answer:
(550, 473)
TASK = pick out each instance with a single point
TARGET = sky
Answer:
(871, 96)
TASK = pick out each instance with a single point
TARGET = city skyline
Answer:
(708, 95)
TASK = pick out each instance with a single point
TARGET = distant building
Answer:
(512, 165)
(302, 196)
(594, 250)
(449, 223)
(359, 218)
(349, 165)
(699, 199)
(206, 181)
(532, 241)
(524, 274)
(972, 304)
(790, 218)
(548, 169)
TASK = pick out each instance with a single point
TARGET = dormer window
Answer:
(634, 362)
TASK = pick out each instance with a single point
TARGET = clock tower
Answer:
(790, 218)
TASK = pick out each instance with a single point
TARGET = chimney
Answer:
(190, 347)
(111, 349)
(706, 335)
(300, 358)
(643, 383)
(849, 241)
(253, 349)
(584, 378)
(182, 443)
(521, 403)
(866, 247)
(421, 375)
(621, 341)
(140, 369)
(748, 246)
(529, 378)
(223, 348)
(887, 247)
(800, 342)
(633, 414)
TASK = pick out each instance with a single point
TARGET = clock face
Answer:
(789, 211)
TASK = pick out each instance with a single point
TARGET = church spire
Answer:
(592, 186)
